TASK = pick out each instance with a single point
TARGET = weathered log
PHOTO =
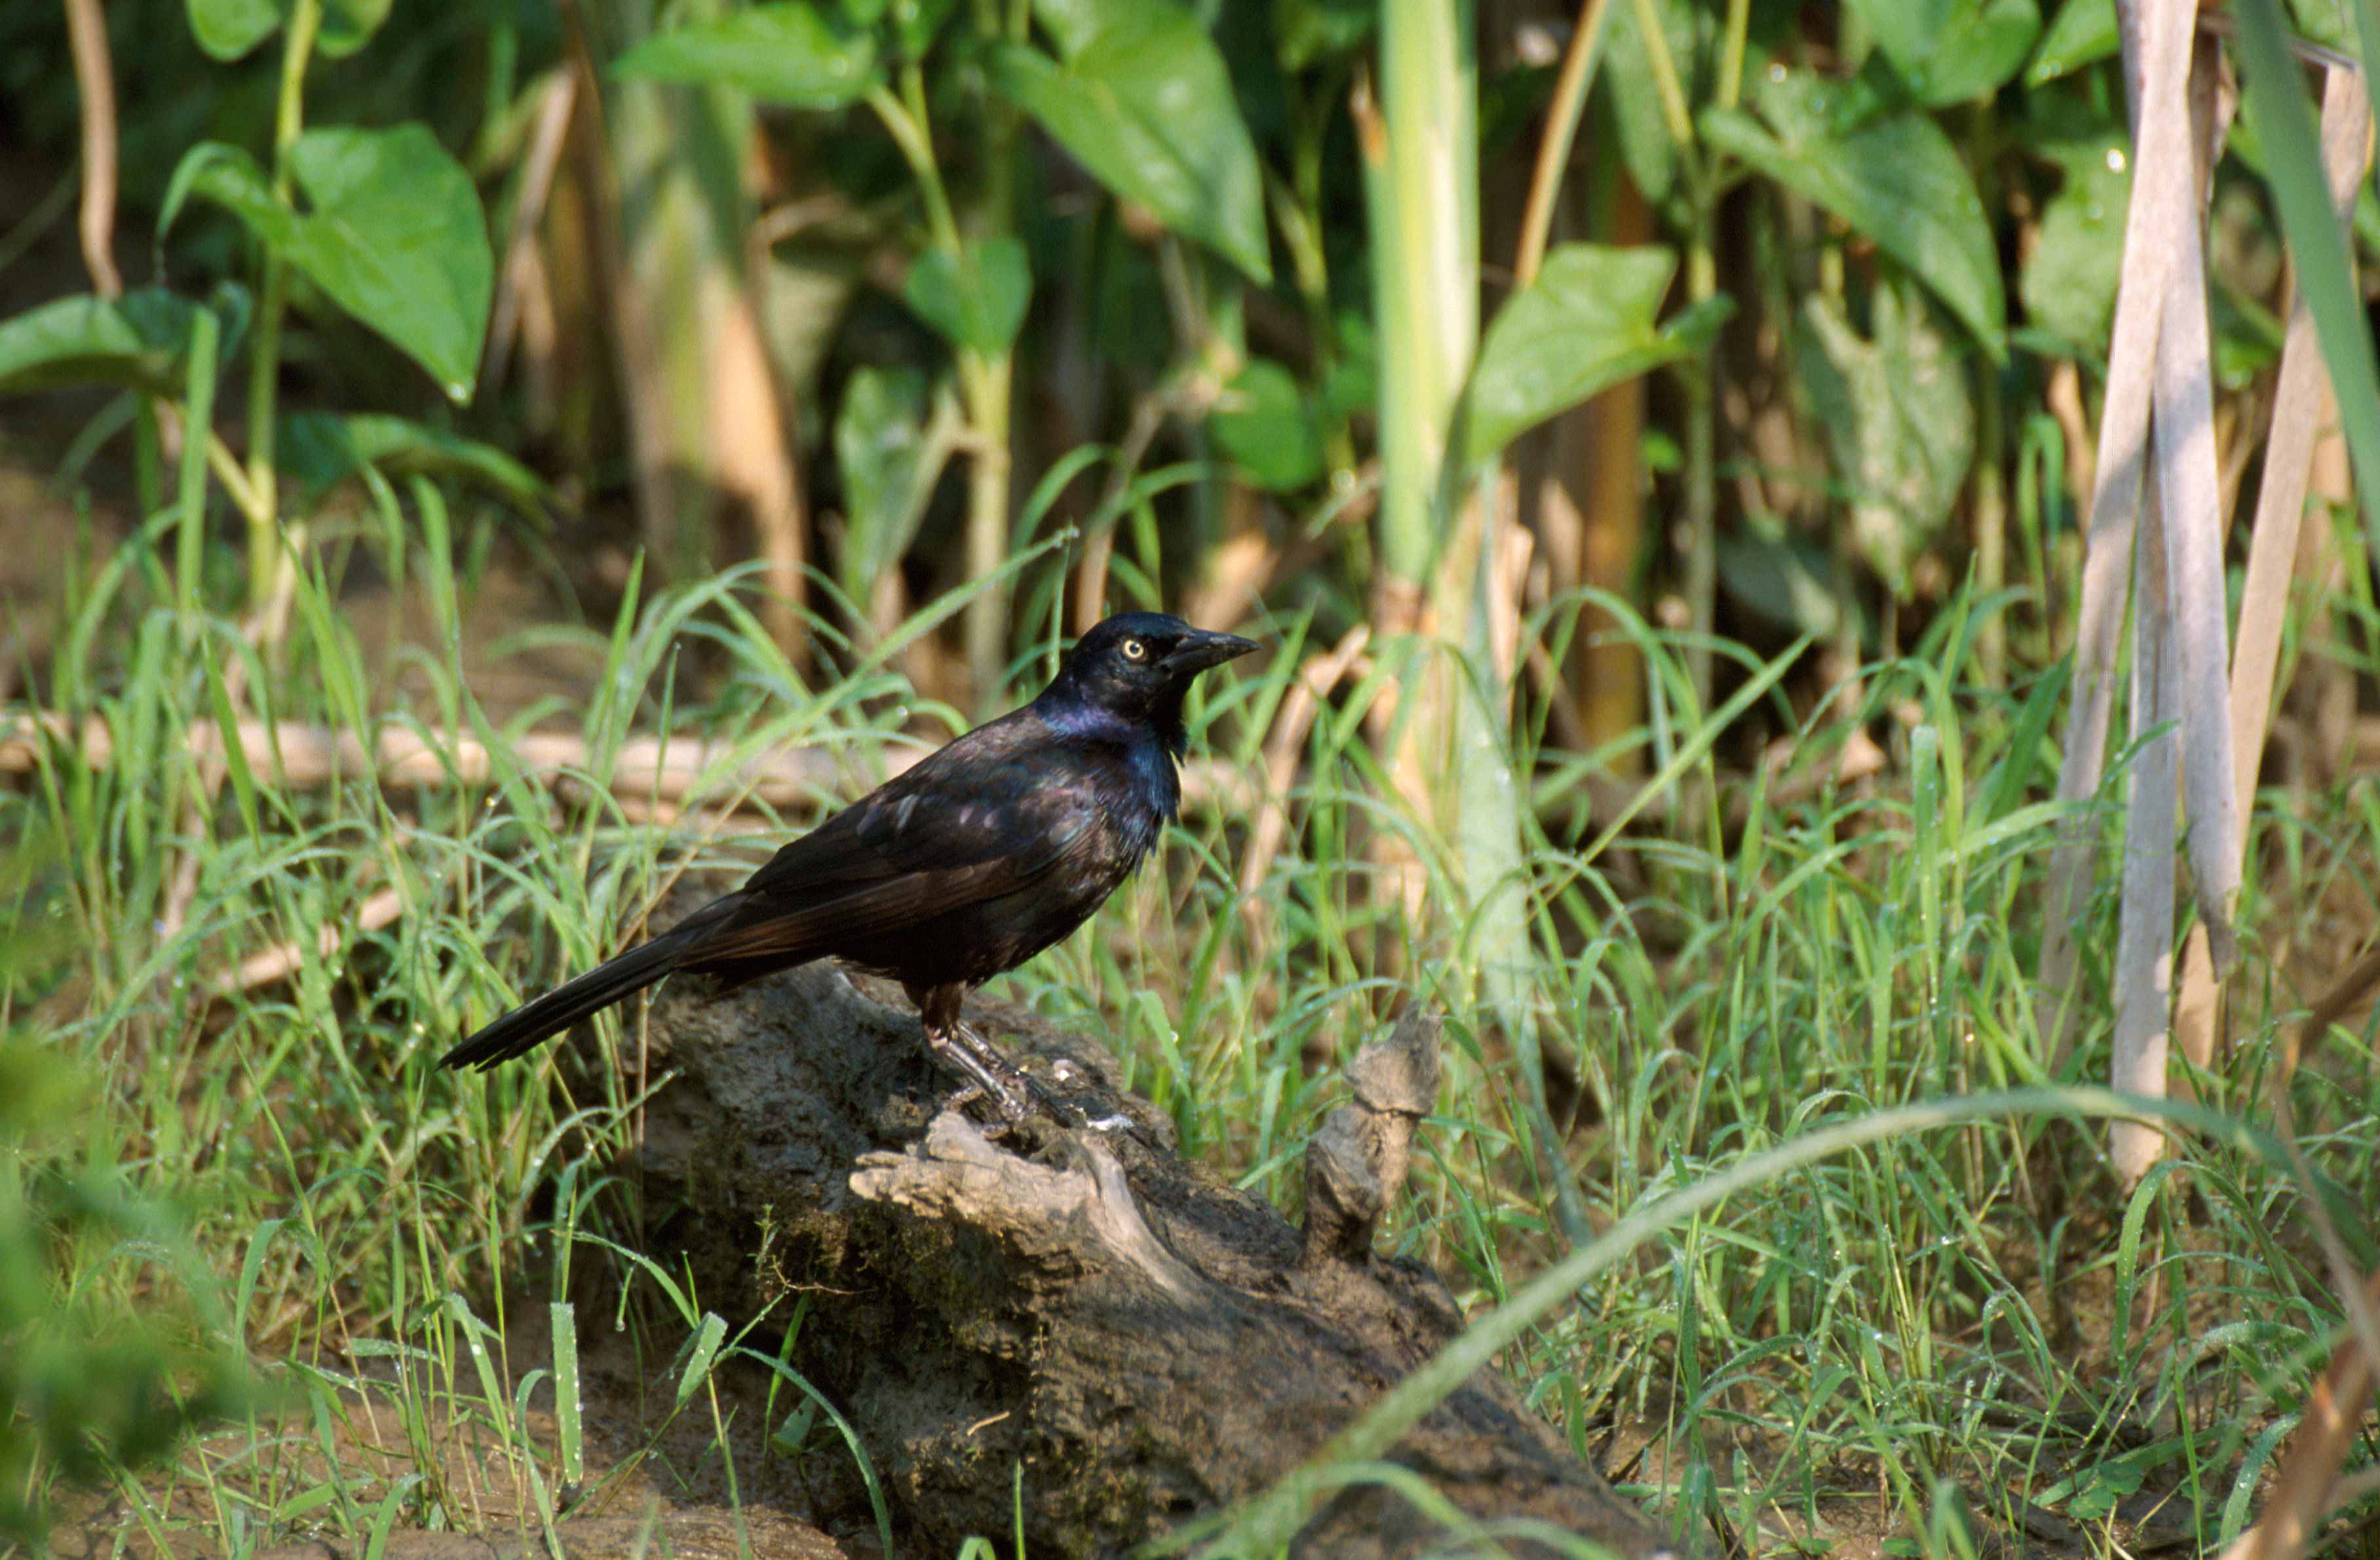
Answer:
(1144, 1342)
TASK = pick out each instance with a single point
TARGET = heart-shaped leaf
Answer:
(1786, 581)
(318, 449)
(1953, 50)
(978, 300)
(1266, 424)
(1144, 101)
(349, 24)
(1895, 178)
(1591, 320)
(1900, 422)
(137, 341)
(1680, 31)
(228, 29)
(893, 435)
(789, 52)
(397, 236)
(2069, 279)
(2081, 32)
(394, 233)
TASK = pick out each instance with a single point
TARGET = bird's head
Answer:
(1137, 666)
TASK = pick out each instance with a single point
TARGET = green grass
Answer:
(1933, 1327)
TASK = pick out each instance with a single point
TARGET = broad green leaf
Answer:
(914, 23)
(1786, 580)
(2081, 32)
(318, 449)
(1070, 24)
(228, 29)
(789, 52)
(1953, 50)
(137, 341)
(2068, 282)
(230, 177)
(1898, 419)
(1308, 31)
(1266, 424)
(1895, 179)
(394, 235)
(976, 301)
(893, 437)
(349, 24)
(1590, 321)
(1146, 104)
(1648, 143)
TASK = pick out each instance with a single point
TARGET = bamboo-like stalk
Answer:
(2162, 199)
(2178, 597)
(1425, 267)
(2189, 489)
(1447, 604)
(2303, 405)
(985, 387)
(2144, 932)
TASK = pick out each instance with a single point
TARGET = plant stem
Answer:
(1444, 603)
(1674, 113)
(984, 379)
(904, 118)
(264, 554)
(1730, 90)
(1561, 131)
(984, 383)
(1701, 465)
(1427, 223)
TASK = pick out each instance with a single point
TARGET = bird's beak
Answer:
(1203, 649)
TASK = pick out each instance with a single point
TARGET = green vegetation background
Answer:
(1048, 310)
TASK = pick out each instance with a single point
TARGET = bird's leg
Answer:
(984, 1054)
(988, 1072)
(988, 1075)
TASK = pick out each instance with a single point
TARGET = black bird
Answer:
(980, 856)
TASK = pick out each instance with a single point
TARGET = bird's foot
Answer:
(992, 1076)
(989, 1075)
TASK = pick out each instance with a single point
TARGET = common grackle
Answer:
(980, 856)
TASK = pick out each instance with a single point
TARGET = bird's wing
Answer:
(959, 828)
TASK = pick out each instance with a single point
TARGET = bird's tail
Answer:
(549, 1015)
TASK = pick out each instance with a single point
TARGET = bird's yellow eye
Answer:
(1134, 649)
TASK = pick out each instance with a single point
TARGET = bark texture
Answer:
(1145, 1343)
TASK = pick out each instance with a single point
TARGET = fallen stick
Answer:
(647, 768)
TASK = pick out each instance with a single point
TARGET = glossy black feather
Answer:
(980, 856)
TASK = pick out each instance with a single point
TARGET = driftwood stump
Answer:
(1146, 1343)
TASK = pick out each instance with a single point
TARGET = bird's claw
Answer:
(988, 1075)
(992, 1076)
(1011, 1091)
